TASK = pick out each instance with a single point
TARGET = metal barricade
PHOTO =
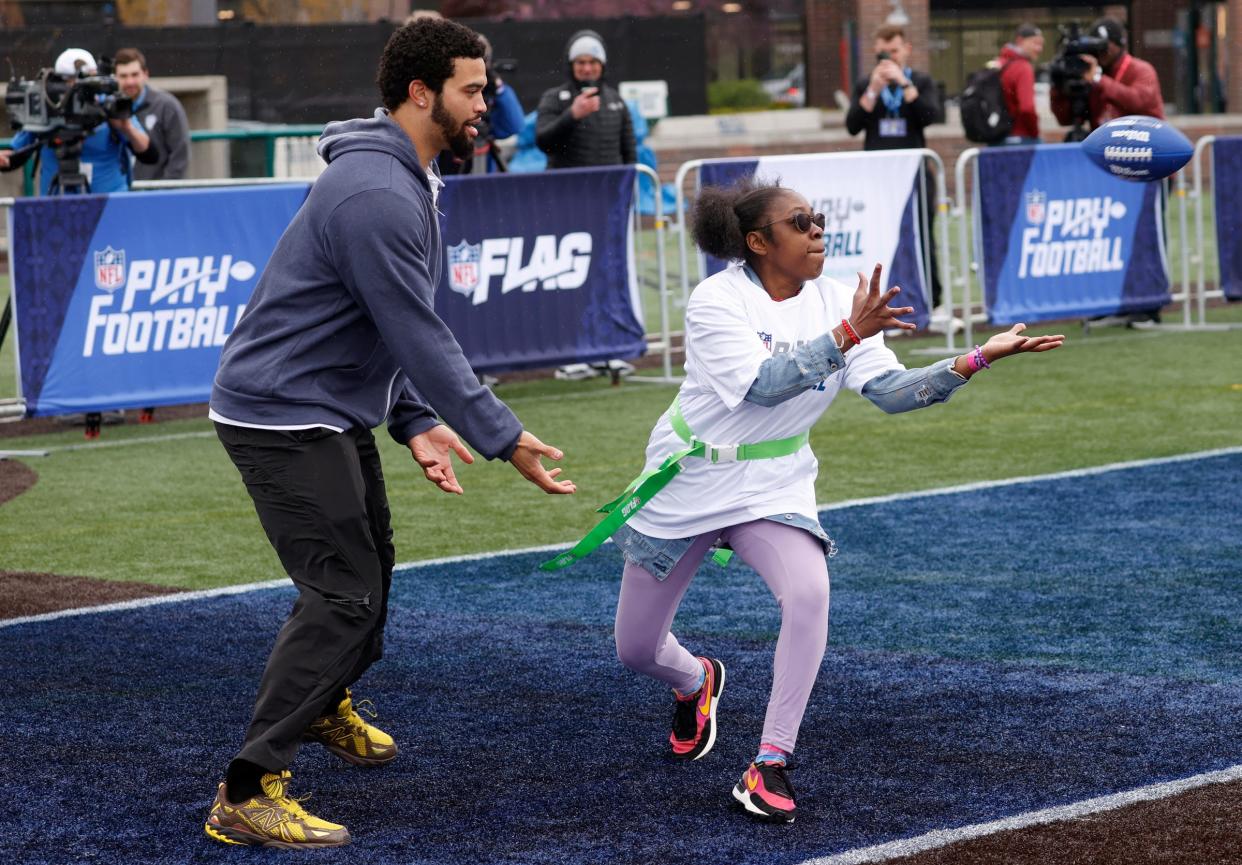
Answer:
(968, 266)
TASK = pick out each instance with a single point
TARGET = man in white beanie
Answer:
(106, 149)
(585, 121)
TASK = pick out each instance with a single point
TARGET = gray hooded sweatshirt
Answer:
(341, 329)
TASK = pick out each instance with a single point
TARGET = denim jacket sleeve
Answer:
(907, 389)
(784, 376)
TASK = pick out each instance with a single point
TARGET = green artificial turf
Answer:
(172, 510)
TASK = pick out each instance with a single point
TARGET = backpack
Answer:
(985, 117)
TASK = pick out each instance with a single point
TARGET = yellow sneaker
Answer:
(351, 738)
(271, 820)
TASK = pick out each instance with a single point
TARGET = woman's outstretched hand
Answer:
(1013, 342)
(871, 313)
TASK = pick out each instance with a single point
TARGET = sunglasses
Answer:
(801, 221)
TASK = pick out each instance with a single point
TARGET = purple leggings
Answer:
(791, 561)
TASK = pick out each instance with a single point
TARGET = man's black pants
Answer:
(321, 499)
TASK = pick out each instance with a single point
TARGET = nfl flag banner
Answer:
(1226, 175)
(871, 202)
(537, 268)
(124, 301)
(1059, 238)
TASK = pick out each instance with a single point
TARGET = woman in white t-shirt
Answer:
(769, 342)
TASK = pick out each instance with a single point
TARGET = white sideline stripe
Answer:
(1030, 479)
(547, 548)
(945, 837)
(140, 603)
(158, 600)
(171, 437)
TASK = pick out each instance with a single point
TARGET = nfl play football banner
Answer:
(1060, 238)
(871, 203)
(1226, 177)
(124, 301)
(537, 268)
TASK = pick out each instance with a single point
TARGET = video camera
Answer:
(61, 111)
(1066, 70)
(55, 102)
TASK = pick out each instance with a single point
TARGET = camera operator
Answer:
(1119, 83)
(105, 149)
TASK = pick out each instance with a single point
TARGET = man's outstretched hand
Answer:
(527, 459)
(433, 451)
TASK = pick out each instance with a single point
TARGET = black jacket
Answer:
(920, 113)
(603, 138)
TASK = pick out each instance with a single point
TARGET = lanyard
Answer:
(644, 487)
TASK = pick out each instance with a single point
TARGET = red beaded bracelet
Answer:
(849, 331)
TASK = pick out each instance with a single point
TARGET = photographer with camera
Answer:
(585, 121)
(1095, 79)
(87, 132)
(893, 105)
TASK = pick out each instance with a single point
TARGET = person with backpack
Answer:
(998, 103)
(1017, 78)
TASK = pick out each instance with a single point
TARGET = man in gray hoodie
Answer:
(340, 335)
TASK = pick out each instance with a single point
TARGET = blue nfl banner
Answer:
(1226, 177)
(125, 301)
(537, 268)
(1059, 238)
(871, 201)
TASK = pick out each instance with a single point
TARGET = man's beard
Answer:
(454, 133)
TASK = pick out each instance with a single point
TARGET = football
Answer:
(1138, 148)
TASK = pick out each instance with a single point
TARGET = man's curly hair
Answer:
(423, 50)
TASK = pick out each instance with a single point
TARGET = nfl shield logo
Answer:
(463, 261)
(1035, 201)
(766, 339)
(110, 269)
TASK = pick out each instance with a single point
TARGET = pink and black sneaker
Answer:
(765, 792)
(694, 719)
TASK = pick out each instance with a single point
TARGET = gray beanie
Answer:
(589, 45)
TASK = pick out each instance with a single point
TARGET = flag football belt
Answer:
(644, 487)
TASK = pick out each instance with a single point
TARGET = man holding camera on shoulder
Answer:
(106, 148)
(1121, 83)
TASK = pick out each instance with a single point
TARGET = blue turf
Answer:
(992, 653)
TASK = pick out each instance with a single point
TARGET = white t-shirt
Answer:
(732, 327)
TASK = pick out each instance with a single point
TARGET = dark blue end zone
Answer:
(992, 652)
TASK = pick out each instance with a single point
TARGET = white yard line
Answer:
(1028, 479)
(547, 548)
(179, 597)
(120, 443)
(945, 837)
